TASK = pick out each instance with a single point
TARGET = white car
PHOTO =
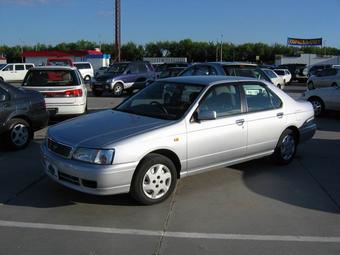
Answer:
(62, 86)
(323, 99)
(85, 69)
(14, 72)
(275, 79)
(284, 74)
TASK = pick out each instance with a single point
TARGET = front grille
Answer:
(68, 178)
(60, 149)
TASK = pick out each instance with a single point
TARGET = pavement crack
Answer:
(320, 185)
(27, 187)
(166, 222)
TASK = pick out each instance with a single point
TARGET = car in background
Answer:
(226, 69)
(59, 62)
(284, 74)
(124, 76)
(101, 70)
(14, 72)
(325, 78)
(316, 69)
(85, 69)
(323, 99)
(22, 112)
(298, 71)
(163, 67)
(171, 72)
(275, 78)
(173, 128)
(63, 88)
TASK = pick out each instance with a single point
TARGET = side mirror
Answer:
(206, 115)
(3, 98)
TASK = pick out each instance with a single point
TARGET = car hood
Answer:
(102, 129)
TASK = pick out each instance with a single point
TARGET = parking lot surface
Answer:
(251, 208)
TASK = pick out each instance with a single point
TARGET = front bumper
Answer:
(307, 131)
(85, 177)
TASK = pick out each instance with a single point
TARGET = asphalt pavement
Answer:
(252, 208)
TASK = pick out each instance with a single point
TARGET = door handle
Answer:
(240, 122)
(279, 115)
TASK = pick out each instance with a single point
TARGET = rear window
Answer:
(59, 62)
(240, 70)
(46, 78)
(83, 66)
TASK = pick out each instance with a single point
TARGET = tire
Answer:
(19, 134)
(311, 86)
(286, 147)
(279, 86)
(97, 93)
(149, 187)
(2, 79)
(318, 106)
(334, 84)
(118, 89)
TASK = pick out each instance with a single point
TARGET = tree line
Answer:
(194, 51)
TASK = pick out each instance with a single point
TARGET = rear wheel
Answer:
(154, 180)
(318, 105)
(19, 134)
(286, 147)
(334, 84)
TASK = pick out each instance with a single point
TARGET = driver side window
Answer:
(8, 68)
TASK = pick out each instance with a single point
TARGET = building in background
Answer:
(308, 59)
(3, 60)
(95, 57)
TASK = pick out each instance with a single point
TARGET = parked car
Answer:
(22, 112)
(284, 74)
(85, 69)
(316, 69)
(59, 62)
(14, 72)
(275, 78)
(62, 86)
(173, 128)
(101, 70)
(226, 69)
(125, 76)
(163, 67)
(323, 99)
(326, 78)
(171, 72)
(298, 71)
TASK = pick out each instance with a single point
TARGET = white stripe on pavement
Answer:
(186, 235)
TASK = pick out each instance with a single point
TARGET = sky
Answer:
(237, 21)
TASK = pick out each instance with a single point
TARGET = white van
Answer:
(85, 69)
(14, 72)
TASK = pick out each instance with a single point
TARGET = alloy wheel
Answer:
(157, 181)
(19, 134)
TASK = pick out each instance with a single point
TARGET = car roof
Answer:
(232, 63)
(207, 80)
(81, 63)
(54, 68)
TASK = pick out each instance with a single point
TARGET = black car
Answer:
(22, 112)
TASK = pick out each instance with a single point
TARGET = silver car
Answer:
(326, 78)
(174, 128)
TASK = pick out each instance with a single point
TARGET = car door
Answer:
(4, 107)
(213, 143)
(333, 99)
(8, 73)
(20, 72)
(265, 117)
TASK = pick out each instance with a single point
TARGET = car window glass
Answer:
(142, 68)
(133, 68)
(28, 67)
(41, 78)
(202, 70)
(188, 72)
(19, 67)
(8, 68)
(225, 100)
(259, 98)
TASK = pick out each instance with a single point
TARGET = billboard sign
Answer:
(304, 42)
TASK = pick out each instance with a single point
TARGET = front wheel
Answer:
(1, 79)
(286, 147)
(154, 180)
(118, 89)
(318, 106)
(19, 134)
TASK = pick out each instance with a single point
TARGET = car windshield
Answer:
(270, 73)
(280, 72)
(162, 100)
(46, 78)
(117, 68)
(2, 66)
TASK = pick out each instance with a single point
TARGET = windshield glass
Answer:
(270, 73)
(58, 62)
(280, 72)
(117, 68)
(46, 78)
(162, 100)
(2, 66)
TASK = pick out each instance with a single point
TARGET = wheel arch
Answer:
(295, 131)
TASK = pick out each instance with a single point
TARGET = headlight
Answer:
(109, 80)
(101, 157)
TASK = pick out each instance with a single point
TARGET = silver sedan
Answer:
(173, 128)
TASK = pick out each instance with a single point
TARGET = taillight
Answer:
(67, 93)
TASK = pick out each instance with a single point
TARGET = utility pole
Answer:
(221, 48)
(117, 30)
